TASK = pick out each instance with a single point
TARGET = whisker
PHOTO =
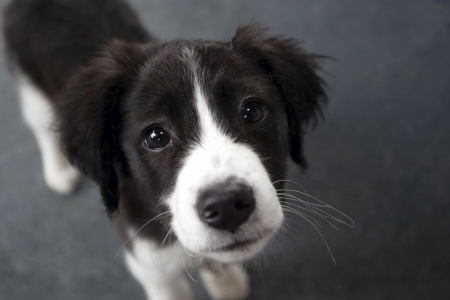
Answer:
(273, 252)
(306, 202)
(308, 207)
(309, 196)
(190, 254)
(301, 186)
(286, 239)
(326, 244)
(185, 267)
(279, 245)
(306, 217)
(324, 217)
(165, 238)
(137, 231)
(318, 231)
(311, 207)
(184, 262)
(323, 204)
(292, 228)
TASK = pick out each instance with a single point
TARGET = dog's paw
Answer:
(227, 282)
(178, 290)
(62, 181)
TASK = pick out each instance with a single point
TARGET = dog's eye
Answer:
(157, 138)
(253, 112)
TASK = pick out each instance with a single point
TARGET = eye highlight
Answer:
(253, 111)
(157, 138)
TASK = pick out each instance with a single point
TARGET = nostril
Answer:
(210, 213)
(242, 204)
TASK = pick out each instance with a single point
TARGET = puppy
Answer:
(187, 140)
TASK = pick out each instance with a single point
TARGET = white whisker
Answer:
(311, 207)
(318, 231)
(165, 238)
(315, 205)
(137, 231)
(184, 263)
(324, 217)
(304, 216)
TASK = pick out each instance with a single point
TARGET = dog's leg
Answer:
(225, 281)
(38, 113)
(159, 271)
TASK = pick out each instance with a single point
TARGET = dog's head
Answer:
(197, 130)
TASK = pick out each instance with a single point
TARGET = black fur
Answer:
(51, 39)
(294, 72)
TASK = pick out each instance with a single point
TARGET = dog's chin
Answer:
(236, 251)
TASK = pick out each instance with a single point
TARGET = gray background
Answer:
(381, 156)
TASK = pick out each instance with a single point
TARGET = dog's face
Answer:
(206, 132)
(202, 130)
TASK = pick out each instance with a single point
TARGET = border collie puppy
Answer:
(187, 140)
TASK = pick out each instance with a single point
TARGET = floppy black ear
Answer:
(90, 118)
(294, 72)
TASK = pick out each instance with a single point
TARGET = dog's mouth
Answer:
(237, 245)
(236, 249)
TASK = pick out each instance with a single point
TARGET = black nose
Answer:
(226, 206)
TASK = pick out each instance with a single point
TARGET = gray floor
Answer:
(382, 157)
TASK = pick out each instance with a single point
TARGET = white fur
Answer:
(217, 158)
(160, 272)
(37, 111)
(226, 282)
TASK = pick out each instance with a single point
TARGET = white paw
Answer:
(158, 285)
(226, 282)
(62, 181)
(178, 290)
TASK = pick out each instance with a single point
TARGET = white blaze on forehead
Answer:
(207, 123)
(211, 137)
(208, 126)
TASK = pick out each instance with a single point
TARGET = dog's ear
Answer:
(90, 117)
(294, 72)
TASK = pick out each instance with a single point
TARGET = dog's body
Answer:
(187, 140)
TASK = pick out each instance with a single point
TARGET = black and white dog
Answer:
(187, 140)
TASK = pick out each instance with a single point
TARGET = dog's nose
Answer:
(226, 206)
